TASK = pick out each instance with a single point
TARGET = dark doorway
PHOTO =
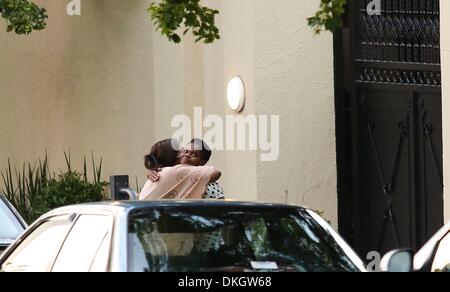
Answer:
(389, 125)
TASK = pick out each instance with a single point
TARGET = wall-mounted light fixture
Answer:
(236, 94)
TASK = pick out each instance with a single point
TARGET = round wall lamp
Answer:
(236, 94)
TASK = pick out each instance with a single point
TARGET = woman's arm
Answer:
(216, 174)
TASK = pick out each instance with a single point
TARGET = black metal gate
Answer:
(389, 124)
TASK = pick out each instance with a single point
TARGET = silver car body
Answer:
(11, 223)
(119, 211)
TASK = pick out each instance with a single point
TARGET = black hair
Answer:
(204, 149)
(163, 154)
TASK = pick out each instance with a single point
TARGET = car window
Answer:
(39, 248)
(10, 226)
(441, 261)
(234, 239)
(86, 246)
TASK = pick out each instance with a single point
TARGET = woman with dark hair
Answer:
(182, 181)
(162, 154)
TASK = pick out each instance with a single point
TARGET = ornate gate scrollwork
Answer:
(380, 60)
(387, 187)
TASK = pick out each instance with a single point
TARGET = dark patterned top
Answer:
(214, 191)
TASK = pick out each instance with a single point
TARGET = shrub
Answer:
(34, 190)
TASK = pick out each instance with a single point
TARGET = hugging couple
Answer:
(180, 173)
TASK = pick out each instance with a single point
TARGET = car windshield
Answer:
(231, 238)
(10, 226)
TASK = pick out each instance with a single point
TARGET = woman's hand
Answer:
(153, 176)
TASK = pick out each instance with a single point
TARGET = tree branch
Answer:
(170, 15)
(22, 16)
(329, 16)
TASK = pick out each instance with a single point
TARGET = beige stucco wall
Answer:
(294, 79)
(192, 75)
(85, 84)
(288, 72)
(445, 56)
(106, 82)
(233, 55)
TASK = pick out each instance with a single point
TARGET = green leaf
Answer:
(329, 16)
(175, 38)
(22, 16)
(170, 15)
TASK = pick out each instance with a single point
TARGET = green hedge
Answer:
(34, 190)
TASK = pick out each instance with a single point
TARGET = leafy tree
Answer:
(170, 15)
(329, 16)
(22, 16)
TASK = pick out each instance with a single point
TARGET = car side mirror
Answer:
(398, 261)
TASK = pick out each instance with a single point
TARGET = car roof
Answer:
(123, 205)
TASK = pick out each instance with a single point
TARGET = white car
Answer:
(180, 236)
(434, 256)
(11, 223)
